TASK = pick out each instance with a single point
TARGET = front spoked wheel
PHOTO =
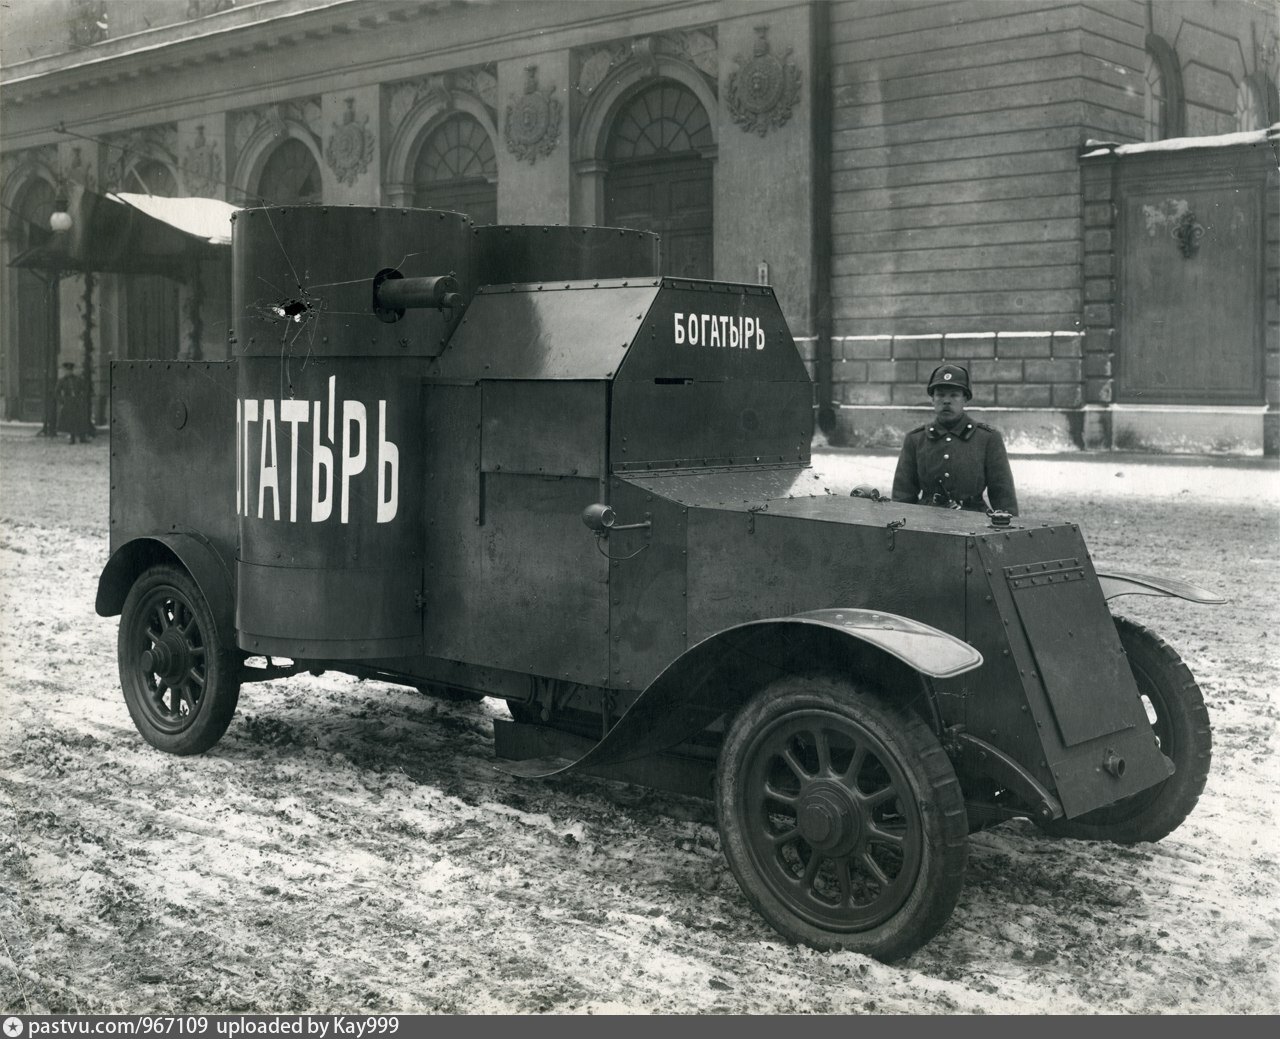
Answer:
(180, 685)
(1180, 721)
(841, 817)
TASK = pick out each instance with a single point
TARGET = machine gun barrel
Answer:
(393, 294)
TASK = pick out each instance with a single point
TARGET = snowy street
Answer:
(349, 847)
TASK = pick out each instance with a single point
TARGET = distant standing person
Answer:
(73, 406)
(952, 460)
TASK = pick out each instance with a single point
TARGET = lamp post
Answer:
(59, 223)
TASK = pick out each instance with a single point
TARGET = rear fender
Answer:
(188, 550)
(1114, 583)
(722, 672)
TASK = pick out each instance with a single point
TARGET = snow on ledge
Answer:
(207, 218)
(1098, 149)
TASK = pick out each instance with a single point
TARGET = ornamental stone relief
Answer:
(87, 22)
(481, 83)
(123, 149)
(764, 89)
(696, 46)
(350, 147)
(247, 122)
(81, 171)
(532, 125)
(202, 167)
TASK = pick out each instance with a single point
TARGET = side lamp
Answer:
(60, 219)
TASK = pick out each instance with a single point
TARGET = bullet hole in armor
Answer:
(292, 310)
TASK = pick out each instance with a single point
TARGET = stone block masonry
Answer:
(1017, 369)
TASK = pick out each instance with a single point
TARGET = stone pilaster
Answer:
(764, 163)
(533, 140)
(352, 166)
(1097, 365)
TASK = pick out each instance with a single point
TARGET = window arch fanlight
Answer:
(617, 91)
(592, 140)
(1256, 103)
(456, 168)
(290, 175)
(662, 119)
(1162, 91)
(149, 176)
(248, 179)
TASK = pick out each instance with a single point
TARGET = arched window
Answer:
(1156, 102)
(1162, 92)
(1256, 106)
(151, 177)
(290, 176)
(659, 122)
(456, 169)
(659, 179)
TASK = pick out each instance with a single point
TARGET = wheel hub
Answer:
(168, 657)
(829, 818)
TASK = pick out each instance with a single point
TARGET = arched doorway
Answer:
(456, 169)
(290, 176)
(152, 301)
(659, 179)
(36, 305)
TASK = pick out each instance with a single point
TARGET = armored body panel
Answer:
(391, 477)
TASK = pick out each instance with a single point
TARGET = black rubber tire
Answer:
(1181, 725)
(918, 809)
(183, 703)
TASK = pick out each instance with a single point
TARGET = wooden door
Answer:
(152, 308)
(1190, 293)
(671, 197)
(37, 300)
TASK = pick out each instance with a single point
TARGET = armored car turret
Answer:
(521, 462)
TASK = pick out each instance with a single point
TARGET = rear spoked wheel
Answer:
(841, 817)
(180, 685)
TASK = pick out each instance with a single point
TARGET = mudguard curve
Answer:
(664, 715)
(193, 551)
(1116, 582)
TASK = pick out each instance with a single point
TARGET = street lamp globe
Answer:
(60, 221)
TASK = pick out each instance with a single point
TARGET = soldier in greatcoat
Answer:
(73, 405)
(952, 460)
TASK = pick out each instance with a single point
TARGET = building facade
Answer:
(972, 180)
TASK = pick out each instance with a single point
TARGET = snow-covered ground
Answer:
(348, 845)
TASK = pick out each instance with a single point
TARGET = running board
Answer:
(537, 751)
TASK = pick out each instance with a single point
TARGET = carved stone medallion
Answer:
(763, 90)
(533, 120)
(203, 167)
(351, 147)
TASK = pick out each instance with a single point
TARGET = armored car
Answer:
(521, 462)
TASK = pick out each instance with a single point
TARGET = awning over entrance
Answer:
(134, 234)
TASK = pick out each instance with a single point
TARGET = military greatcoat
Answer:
(950, 467)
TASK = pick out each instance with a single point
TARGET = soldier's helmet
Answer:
(950, 375)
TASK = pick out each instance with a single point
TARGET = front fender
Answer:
(189, 550)
(1115, 582)
(686, 697)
